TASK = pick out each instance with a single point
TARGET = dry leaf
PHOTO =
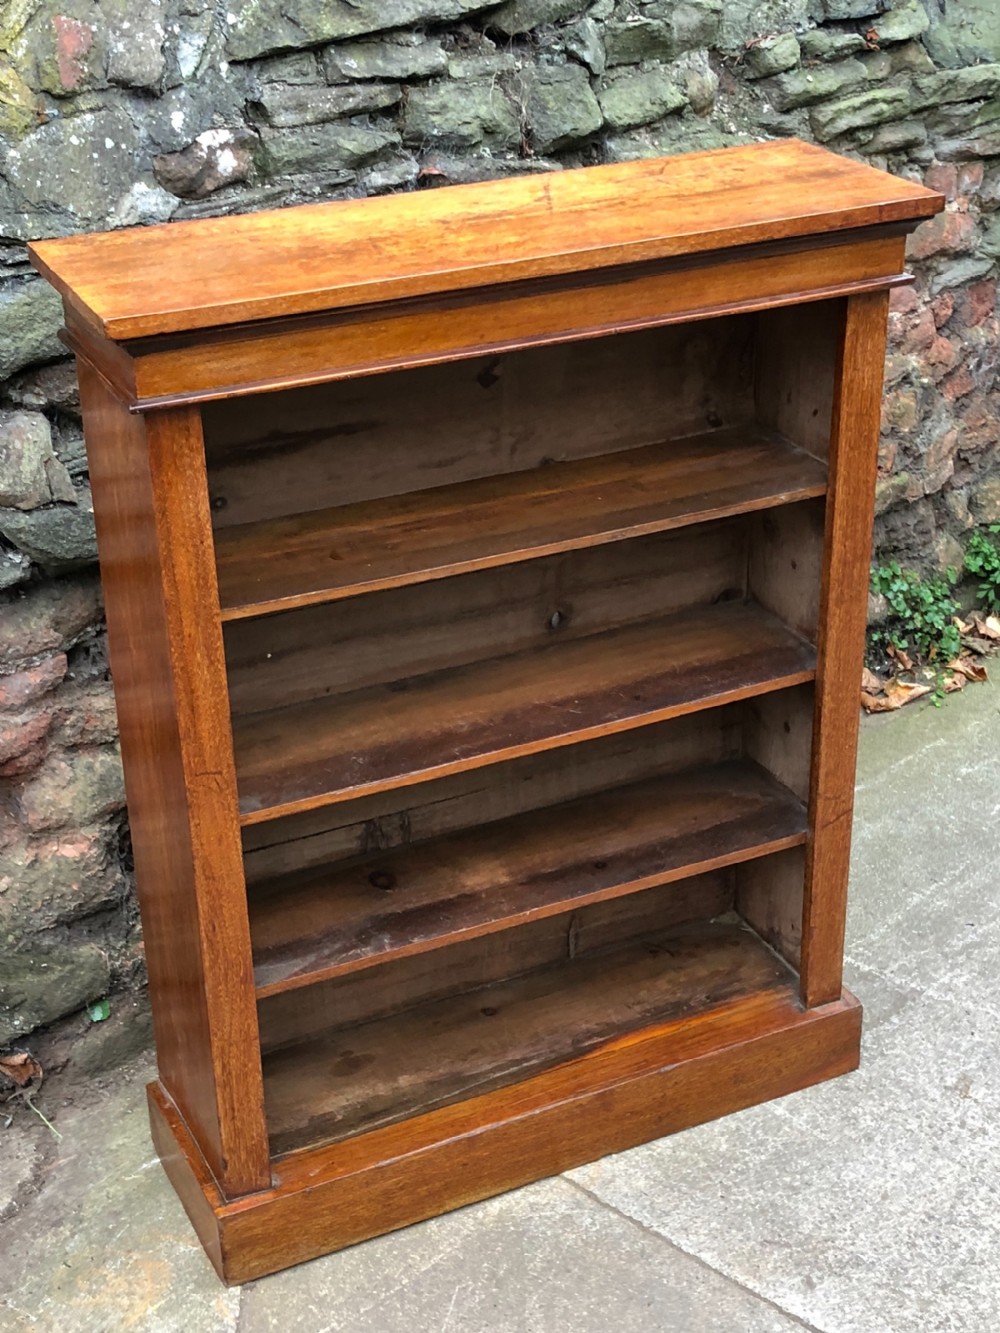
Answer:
(971, 670)
(953, 683)
(987, 627)
(963, 626)
(904, 659)
(21, 1068)
(896, 695)
(870, 683)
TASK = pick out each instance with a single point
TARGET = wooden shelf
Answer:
(300, 757)
(517, 870)
(406, 539)
(436, 1053)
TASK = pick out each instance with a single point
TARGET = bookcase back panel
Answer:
(795, 371)
(306, 449)
(390, 636)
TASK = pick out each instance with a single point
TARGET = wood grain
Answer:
(155, 280)
(399, 634)
(367, 438)
(308, 1013)
(329, 750)
(656, 1082)
(369, 1076)
(426, 896)
(335, 553)
(258, 358)
(843, 609)
(155, 544)
(390, 820)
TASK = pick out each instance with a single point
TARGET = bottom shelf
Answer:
(373, 1074)
(659, 1081)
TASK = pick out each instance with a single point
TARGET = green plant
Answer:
(982, 559)
(921, 611)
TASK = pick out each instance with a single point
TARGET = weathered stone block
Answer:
(901, 24)
(50, 617)
(17, 103)
(560, 107)
(461, 114)
(893, 138)
(485, 63)
(984, 143)
(46, 982)
(984, 501)
(265, 26)
(851, 9)
(55, 881)
(859, 111)
(30, 318)
(296, 67)
(948, 233)
(828, 44)
(958, 273)
(694, 23)
(322, 147)
(21, 688)
(135, 37)
(74, 790)
(957, 85)
(910, 58)
(632, 97)
(522, 15)
(284, 106)
(803, 87)
(585, 40)
(64, 49)
(80, 164)
(216, 158)
(30, 473)
(629, 42)
(58, 537)
(990, 243)
(772, 55)
(383, 60)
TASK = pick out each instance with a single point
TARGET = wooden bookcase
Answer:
(485, 574)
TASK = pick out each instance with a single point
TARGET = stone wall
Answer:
(118, 112)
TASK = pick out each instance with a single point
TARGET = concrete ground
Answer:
(868, 1205)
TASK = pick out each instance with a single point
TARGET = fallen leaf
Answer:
(904, 659)
(870, 683)
(987, 627)
(965, 666)
(963, 626)
(953, 683)
(21, 1068)
(897, 693)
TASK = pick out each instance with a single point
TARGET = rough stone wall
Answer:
(118, 112)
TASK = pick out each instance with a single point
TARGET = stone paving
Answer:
(868, 1205)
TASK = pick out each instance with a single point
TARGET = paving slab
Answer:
(867, 1205)
(872, 1204)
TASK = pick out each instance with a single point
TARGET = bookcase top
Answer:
(180, 277)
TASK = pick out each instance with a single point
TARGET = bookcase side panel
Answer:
(165, 645)
(843, 607)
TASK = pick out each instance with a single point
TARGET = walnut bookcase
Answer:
(485, 574)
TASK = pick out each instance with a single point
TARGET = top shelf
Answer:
(330, 554)
(186, 276)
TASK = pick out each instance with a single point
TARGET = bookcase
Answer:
(485, 573)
